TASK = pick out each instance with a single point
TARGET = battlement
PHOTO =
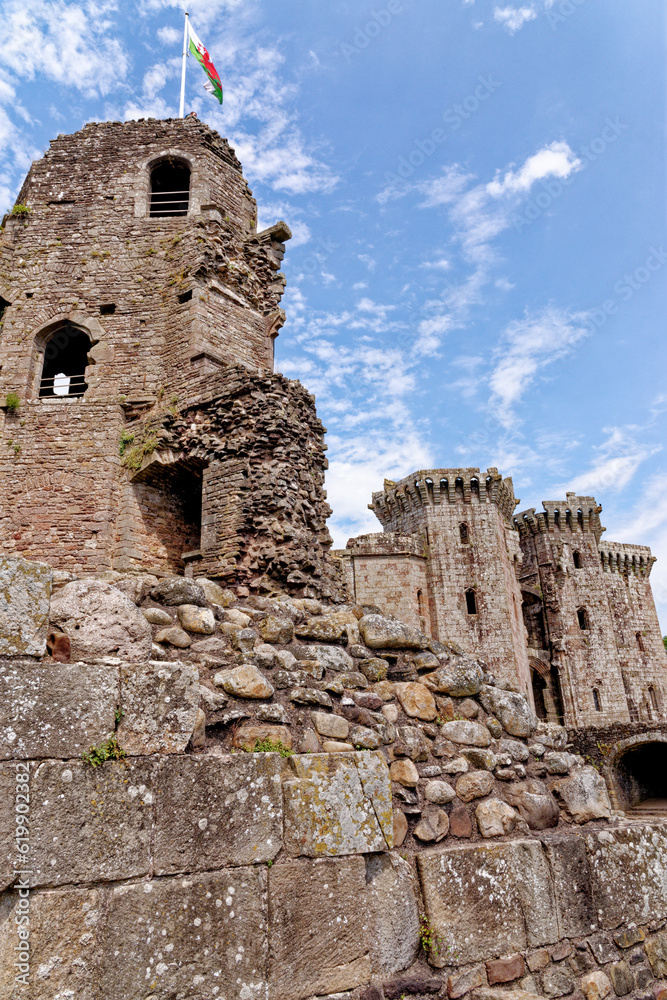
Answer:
(388, 543)
(434, 487)
(572, 514)
(619, 557)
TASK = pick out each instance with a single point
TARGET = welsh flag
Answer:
(199, 51)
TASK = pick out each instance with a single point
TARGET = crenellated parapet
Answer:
(387, 543)
(574, 514)
(435, 487)
(619, 557)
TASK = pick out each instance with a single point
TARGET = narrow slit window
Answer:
(170, 189)
(576, 559)
(582, 618)
(464, 533)
(65, 361)
(596, 700)
(640, 641)
(471, 602)
(654, 700)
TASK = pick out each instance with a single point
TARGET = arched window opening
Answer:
(539, 687)
(568, 518)
(471, 602)
(464, 533)
(580, 518)
(170, 189)
(557, 518)
(582, 618)
(640, 641)
(458, 486)
(65, 361)
(576, 559)
(420, 603)
(596, 700)
(474, 487)
(654, 699)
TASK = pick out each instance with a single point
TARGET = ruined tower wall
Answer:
(643, 663)
(166, 303)
(390, 568)
(555, 540)
(438, 503)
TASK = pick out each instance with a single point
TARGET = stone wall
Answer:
(310, 800)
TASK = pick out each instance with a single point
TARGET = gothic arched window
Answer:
(170, 189)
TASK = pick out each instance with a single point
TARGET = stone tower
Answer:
(593, 634)
(143, 425)
(447, 561)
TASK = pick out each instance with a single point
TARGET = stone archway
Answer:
(638, 771)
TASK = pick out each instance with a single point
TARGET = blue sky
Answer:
(477, 194)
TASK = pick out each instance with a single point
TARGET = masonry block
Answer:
(25, 589)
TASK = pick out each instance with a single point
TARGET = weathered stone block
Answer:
(494, 817)
(627, 875)
(416, 701)
(90, 824)
(387, 633)
(250, 733)
(393, 913)
(557, 982)
(201, 621)
(505, 970)
(471, 734)
(338, 804)
(568, 862)
(656, 949)
(216, 811)
(25, 590)
(595, 986)
(512, 710)
(64, 941)
(101, 621)
(485, 901)
(318, 934)
(584, 795)
(460, 678)
(197, 937)
(159, 701)
(55, 709)
(462, 982)
(621, 978)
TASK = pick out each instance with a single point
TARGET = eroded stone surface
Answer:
(159, 702)
(90, 824)
(338, 804)
(393, 912)
(195, 619)
(512, 710)
(25, 590)
(245, 681)
(190, 935)
(100, 621)
(584, 795)
(627, 874)
(318, 929)
(387, 633)
(216, 811)
(460, 677)
(416, 701)
(55, 709)
(485, 901)
(471, 734)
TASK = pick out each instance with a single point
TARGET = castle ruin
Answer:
(538, 595)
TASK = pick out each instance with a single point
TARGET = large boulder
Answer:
(379, 632)
(511, 709)
(584, 795)
(175, 590)
(460, 677)
(101, 621)
(25, 589)
(534, 802)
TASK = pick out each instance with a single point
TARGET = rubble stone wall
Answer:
(311, 801)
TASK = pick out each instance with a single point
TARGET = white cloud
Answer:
(169, 36)
(367, 261)
(527, 347)
(555, 160)
(514, 18)
(618, 459)
(72, 44)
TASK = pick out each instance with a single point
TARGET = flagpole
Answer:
(181, 109)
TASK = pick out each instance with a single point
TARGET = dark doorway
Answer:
(641, 775)
(65, 361)
(471, 602)
(539, 687)
(170, 189)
